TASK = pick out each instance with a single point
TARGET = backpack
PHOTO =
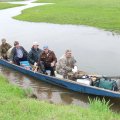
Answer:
(108, 84)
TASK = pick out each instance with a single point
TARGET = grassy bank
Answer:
(98, 13)
(4, 5)
(14, 105)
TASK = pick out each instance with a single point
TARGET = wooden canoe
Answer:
(65, 83)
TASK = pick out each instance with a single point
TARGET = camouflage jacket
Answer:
(65, 65)
(4, 48)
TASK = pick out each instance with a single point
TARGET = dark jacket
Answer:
(14, 53)
(48, 59)
(33, 55)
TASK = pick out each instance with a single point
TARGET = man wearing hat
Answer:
(4, 47)
(18, 53)
(34, 53)
(48, 58)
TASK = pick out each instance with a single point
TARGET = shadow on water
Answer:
(51, 93)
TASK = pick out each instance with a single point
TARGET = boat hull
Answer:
(68, 84)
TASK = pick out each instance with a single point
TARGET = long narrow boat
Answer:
(68, 84)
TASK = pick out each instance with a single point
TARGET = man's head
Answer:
(16, 44)
(35, 45)
(68, 53)
(3, 41)
(45, 48)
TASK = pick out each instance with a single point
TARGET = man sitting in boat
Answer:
(66, 64)
(4, 47)
(18, 53)
(48, 59)
(34, 54)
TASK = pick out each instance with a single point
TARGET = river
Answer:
(97, 51)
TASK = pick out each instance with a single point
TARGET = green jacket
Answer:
(4, 48)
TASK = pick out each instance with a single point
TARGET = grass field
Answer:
(4, 5)
(98, 13)
(10, 0)
(14, 105)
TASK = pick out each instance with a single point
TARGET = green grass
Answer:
(14, 105)
(10, 0)
(4, 5)
(98, 13)
(8, 91)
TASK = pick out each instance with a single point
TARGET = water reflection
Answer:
(51, 93)
(66, 98)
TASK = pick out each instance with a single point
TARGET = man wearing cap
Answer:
(4, 47)
(34, 54)
(18, 53)
(48, 58)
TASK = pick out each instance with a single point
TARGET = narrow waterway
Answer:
(97, 51)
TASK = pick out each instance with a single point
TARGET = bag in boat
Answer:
(26, 65)
(76, 75)
(96, 83)
(108, 84)
(85, 80)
